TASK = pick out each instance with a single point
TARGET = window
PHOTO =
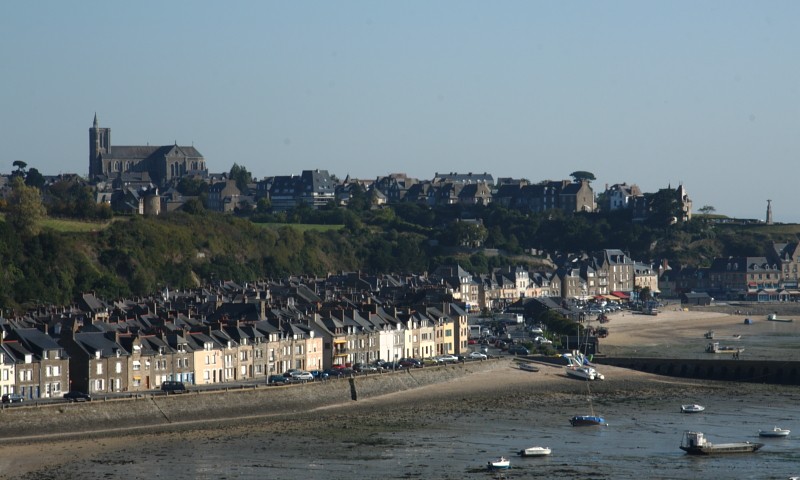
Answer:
(118, 367)
(137, 365)
(99, 368)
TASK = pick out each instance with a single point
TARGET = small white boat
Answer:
(584, 373)
(693, 408)
(775, 432)
(528, 367)
(501, 463)
(535, 452)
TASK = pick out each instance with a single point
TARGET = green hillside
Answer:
(140, 255)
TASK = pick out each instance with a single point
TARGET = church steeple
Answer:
(99, 144)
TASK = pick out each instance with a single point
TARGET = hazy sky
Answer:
(704, 93)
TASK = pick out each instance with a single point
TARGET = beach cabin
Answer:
(697, 299)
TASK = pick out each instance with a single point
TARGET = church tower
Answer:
(99, 142)
(769, 212)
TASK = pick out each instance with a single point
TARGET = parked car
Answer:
(409, 363)
(518, 350)
(275, 380)
(542, 341)
(477, 356)
(288, 373)
(334, 372)
(364, 368)
(13, 398)
(301, 377)
(447, 358)
(76, 396)
(537, 331)
(319, 374)
(172, 386)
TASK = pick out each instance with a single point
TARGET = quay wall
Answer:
(753, 371)
(158, 411)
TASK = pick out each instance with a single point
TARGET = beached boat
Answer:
(695, 443)
(584, 373)
(528, 367)
(578, 366)
(693, 408)
(587, 421)
(775, 432)
(501, 463)
(534, 452)
(709, 334)
(715, 347)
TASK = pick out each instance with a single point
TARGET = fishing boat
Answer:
(693, 408)
(528, 367)
(775, 432)
(587, 421)
(501, 463)
(695, 443)
(534, 452)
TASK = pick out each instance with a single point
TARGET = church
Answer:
(162, 164)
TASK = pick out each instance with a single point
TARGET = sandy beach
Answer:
(402, 410)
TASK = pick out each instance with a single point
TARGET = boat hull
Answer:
(528, 367)
(773, 433)
(535, 452)
(584, 373)
(722, 448)
(692, 409)
(587, 421)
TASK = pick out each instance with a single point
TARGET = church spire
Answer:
(95, 124)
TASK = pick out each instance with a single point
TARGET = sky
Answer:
(700, 93)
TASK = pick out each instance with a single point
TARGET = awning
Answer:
(621, 295)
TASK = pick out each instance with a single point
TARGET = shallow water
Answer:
(641, 441)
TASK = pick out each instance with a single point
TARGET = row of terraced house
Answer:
(135, 346)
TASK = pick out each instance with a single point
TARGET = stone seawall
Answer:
(159, 411)
(754, 371)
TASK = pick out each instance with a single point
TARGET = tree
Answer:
(20, 168)
(25, 209)
(645, 294)
(582, 175)
(34, 179)
(665, 208)
(242, 177)
(707, 210)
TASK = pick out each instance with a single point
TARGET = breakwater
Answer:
(157, 411)
(754, 371)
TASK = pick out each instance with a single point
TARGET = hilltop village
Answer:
(231, 331)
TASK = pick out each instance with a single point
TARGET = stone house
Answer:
(53, 363)
(787, 258)
(97, 362)
(223, 196)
